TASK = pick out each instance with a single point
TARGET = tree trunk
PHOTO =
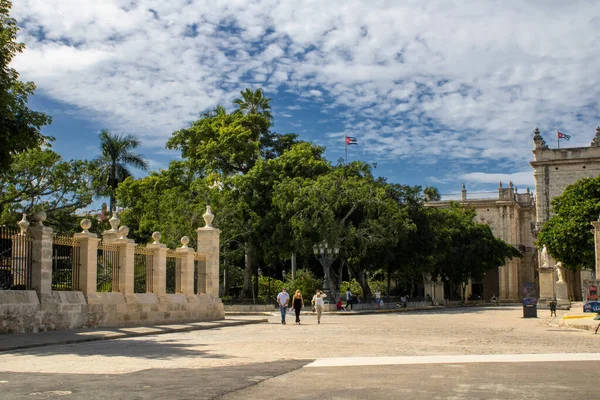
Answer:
(362, 281)
(248, 260)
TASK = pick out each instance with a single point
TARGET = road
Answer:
(475, 353)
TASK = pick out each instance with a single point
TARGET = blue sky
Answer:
(436, 92)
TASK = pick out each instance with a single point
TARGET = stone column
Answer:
(126, 261)
(41, 256)
(596, 225)
(438, 291)
(88, 256)
(208, 244)
(159, 265)
(428, 286)
(187, 267)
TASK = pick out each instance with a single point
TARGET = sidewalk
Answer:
(18, 341)
(576, 318)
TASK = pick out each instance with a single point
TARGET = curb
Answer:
(153, 330)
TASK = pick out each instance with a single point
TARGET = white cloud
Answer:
(524, 178)
(455, 81)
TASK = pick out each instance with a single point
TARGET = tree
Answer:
(41, 179)
(20, 127)
(431, 194)
(568, 234)
(254, 102)
(466, 249)
(117, 156)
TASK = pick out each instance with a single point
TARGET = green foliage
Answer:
(354, 286)
(41, 179)
(20, 127)
(265, 295)
(378, 285)
(254, 102)
(568, 234)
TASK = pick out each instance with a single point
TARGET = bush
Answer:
(378, 285)
(354, 288)
(305, 281)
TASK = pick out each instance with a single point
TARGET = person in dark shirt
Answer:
(298, 304)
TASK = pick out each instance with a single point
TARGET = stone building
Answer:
(554, 170)
(510, 216)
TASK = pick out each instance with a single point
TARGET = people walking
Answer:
(283, 298)
(378, 299)
(318, 303)
(298, 305)
(348, 299)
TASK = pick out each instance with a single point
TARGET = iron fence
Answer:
(107, 279)
(173, 285)
(143, 270)
(15, 260)
(65, 263)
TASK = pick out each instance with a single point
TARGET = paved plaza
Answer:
(460, 353)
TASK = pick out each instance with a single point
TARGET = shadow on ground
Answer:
(147, 347)
(172, 384)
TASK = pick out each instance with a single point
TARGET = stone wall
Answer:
(23, 311)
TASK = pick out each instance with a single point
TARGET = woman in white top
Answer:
(318, 303)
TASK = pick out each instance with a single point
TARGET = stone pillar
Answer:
(88, 256)
(126, 261)
(187, 267)
(502, 284)
(159, 265)
(596, 225)
(201, 275)
(41, 256)
(438, 292)
(428, 286)
(560, 288)
(208, 244)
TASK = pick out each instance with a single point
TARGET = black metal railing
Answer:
(65, 263)
(143, 268)
(107, 279)
(173, 285)
(15, 260)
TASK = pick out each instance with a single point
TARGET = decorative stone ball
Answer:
(85, 225)
(40, 216)
(123, 231)
(184, 241)
(156, 236)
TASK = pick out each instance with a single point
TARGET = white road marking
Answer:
(456, 359)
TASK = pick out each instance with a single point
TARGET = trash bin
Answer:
(530, 311)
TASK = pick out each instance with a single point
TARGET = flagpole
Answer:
(346, 149)
(558, 139)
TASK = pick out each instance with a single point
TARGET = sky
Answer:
(436, 93)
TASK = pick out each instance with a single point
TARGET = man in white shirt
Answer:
(283, 299)
(348, 299)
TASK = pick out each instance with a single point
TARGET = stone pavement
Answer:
(41, 339)
(576, 318)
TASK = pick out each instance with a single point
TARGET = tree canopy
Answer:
(568, 234)
(20, 127)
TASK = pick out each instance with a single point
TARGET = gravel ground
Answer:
(489, 330)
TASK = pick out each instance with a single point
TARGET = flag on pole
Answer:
(351, 140)
(563, 136)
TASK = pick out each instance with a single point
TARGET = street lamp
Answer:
(326, 255)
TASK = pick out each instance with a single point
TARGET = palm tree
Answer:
(254, 102)
(116, 156)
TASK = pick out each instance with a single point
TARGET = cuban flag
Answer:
(351, 140)
(563, 136)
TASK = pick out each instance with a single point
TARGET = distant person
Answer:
(348, 299)
(298, 305)
(283, 299)
(378, 299)
(318, 303)
(494, 299)
(339, 306)
(553, 307)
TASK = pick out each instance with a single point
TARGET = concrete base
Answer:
(562, 299)
(24, 311)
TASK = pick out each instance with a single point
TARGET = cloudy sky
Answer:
(436, 92)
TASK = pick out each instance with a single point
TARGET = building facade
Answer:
(510, 216)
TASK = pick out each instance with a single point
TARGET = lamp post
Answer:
(326, 255)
